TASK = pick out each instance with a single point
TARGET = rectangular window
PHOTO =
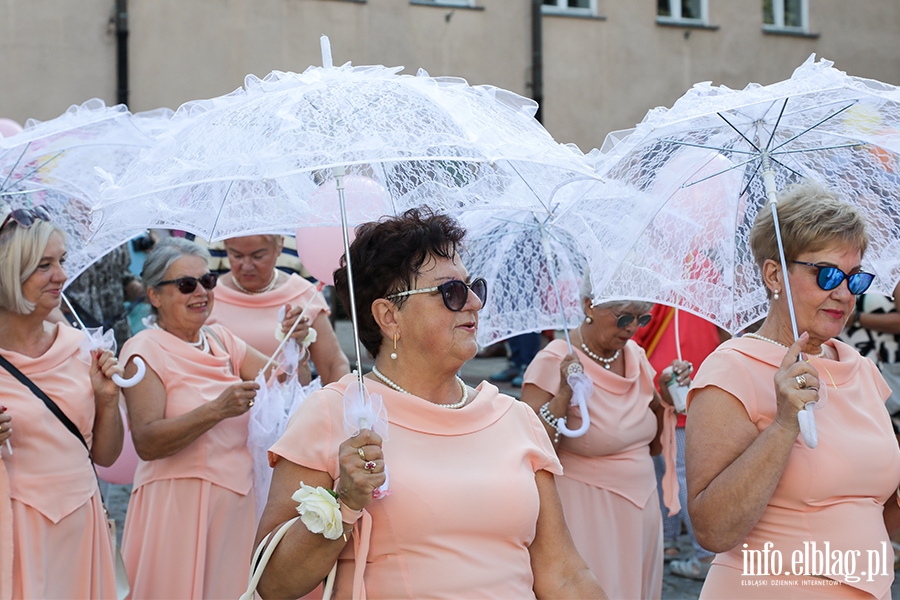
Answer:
(786, 14)
(570, 7)
(694, 11)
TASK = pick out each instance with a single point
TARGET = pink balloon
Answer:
(8, 127)
(121, 472)
(320, 248)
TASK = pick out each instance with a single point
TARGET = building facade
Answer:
(605, 63)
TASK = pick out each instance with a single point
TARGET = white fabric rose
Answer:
(319, 510)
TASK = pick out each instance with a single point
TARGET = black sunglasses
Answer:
(187, 285)
(25, 217)
(830, 277)
(623, 321)
(454, 292)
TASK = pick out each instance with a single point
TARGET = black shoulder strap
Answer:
(50, 403)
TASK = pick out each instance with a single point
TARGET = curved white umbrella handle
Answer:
(135, 379)
(807, 420)
(581, 388)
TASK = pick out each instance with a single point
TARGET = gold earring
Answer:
(588, 319)
(394, 353)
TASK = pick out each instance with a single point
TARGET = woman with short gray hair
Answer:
(608, 487)
(189, 528)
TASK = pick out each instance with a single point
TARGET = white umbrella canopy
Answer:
(710, 163)
(254, 161)
(248, 162)
(52, 164)
(533, 270)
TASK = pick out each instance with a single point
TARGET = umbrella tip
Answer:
(326, 52)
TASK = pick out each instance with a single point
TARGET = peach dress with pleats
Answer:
(54, 538)
(831, 494)
(608, 487)
(463, 505)
(191, 520)
(254, 317)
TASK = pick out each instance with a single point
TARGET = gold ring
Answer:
(250, 403)
(362, 454)
(801, 381)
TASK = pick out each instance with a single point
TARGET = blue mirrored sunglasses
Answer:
(830, 277)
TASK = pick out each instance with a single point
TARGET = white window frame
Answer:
(778, 12)
(562, 8)
(675, 9)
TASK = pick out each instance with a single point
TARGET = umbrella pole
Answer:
(74, 312)
(769, 182)
(339, 180)
(548, 252)
(677, 336)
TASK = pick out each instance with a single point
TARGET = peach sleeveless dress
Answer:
(463, 504)
(254, 317)
(191, 520)
(831, 494)
(54, 538)
(608, 487)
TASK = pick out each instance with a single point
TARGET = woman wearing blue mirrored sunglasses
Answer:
(751, 480)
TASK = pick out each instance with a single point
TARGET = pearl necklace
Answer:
(756, 336)
(268, 288)
(605, 361)
(201, 344)
(462, 386)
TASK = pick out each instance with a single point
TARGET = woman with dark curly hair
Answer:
(473, 509)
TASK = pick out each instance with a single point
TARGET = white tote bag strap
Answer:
(259, 563)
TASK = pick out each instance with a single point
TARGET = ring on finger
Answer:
(574, 368)
(250, 403)
(369, 466)
(801, 381)
(362, 454)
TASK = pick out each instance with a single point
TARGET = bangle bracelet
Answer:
(550, 420)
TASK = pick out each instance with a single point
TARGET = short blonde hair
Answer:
(21, 250)
(812, 218)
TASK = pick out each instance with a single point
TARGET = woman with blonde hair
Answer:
(754, 487)
(54, 537)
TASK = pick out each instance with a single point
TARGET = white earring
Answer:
(394, 353)
(775, 294)
(588, 319)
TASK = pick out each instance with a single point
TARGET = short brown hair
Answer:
(811, 218)
(387, 257)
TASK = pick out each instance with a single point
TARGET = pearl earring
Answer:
(394, 353)
(775, 294)
(588, 319)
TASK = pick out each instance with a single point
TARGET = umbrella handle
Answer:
(135, 379)
(579, 397)
(808, 425)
